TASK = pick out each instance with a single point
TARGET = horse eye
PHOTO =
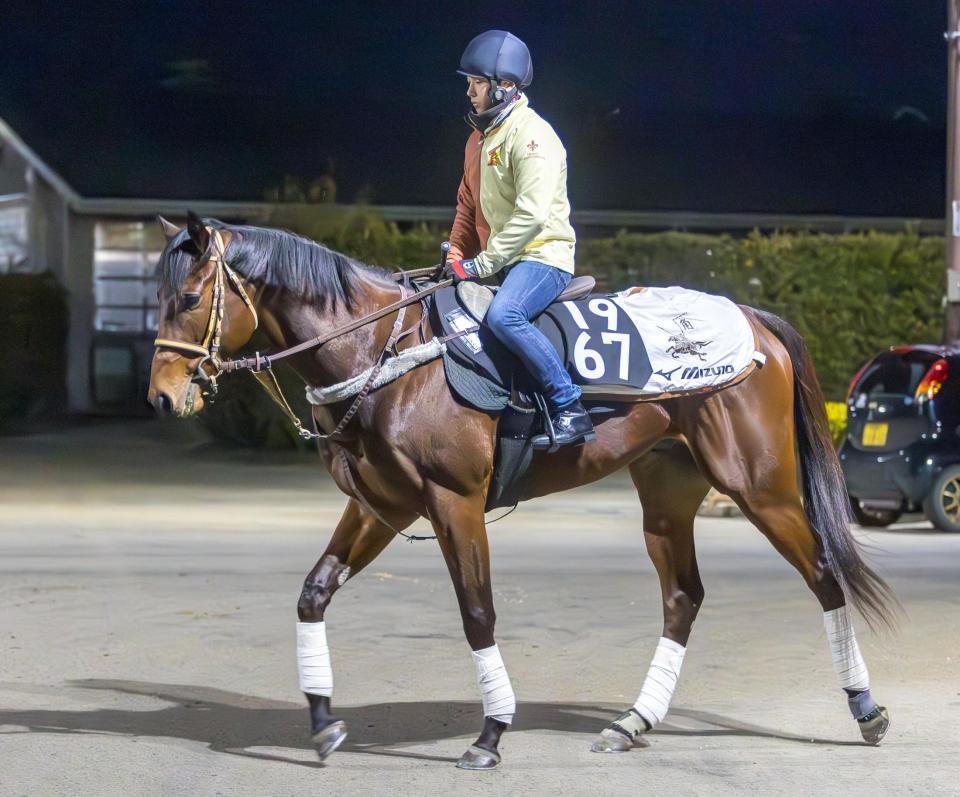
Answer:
(189, 301)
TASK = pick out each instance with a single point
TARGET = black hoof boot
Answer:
(483, 753)
(570, 424)
(327, 732)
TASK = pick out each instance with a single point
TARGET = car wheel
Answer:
(942, 504)
(873, 518)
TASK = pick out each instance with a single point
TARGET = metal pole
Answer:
(951, 331)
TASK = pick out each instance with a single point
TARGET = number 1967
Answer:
(588, 361)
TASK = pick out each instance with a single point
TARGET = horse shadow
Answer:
(231, 723)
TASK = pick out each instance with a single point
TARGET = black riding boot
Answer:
(571, 424)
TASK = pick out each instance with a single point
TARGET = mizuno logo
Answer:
(667, 374)
(695, 372)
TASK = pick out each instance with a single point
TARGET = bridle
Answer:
(209, 348)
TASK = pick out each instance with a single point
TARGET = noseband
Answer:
(209, 349)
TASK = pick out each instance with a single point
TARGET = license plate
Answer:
(875, 434)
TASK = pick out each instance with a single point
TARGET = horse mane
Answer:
(274, 258)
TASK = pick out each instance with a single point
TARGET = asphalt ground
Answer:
(147, 619)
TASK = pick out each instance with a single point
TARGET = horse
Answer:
(411, 449)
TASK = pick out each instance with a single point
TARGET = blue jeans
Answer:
(525, 293)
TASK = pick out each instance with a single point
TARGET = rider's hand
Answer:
(461, 270)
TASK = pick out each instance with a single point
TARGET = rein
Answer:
(261, 365)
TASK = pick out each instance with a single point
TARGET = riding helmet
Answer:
(498, 55)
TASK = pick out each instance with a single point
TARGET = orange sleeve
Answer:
(469, 232)
(463, 235)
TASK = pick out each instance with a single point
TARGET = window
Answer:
(13, 234)
(124, 259)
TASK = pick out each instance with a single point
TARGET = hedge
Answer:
(848, 295)
(33, 328)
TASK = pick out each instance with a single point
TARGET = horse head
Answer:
(204, 310)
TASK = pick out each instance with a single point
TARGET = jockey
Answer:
(513, 214)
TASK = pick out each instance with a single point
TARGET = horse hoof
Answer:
(611, 741)
(874, 725)
(478, 758)
(329, 739)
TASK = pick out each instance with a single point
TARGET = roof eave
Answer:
(62, 187)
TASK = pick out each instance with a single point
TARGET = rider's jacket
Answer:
(512, 204)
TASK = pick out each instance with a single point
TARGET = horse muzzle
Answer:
(166, 404)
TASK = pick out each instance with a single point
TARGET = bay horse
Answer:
(413, 450)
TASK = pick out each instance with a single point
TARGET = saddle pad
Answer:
(694, 340)
(635, 345)
(678, 340)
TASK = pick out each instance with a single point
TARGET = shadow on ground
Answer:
(229, 722)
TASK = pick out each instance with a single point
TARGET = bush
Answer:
(837, 417)
(33, 329)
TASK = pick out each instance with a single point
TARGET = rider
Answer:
(513, 213)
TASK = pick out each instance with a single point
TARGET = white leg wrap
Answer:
(495, 689)
(657, 690)
(844, 649)
(313, 659)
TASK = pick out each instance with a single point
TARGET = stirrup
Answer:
(547, 422)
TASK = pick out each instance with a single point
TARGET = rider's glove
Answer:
(462, 270)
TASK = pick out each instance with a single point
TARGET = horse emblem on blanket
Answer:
(681, 344)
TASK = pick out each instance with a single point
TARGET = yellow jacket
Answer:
(518, 170)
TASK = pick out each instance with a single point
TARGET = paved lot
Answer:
(147, 629)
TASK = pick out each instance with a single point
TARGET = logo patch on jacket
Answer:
(493, 156)
(532, 146)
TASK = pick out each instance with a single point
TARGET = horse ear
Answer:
(199, 233)
(170, 230)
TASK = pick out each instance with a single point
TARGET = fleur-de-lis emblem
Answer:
(532, 146)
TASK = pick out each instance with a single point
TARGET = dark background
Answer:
(813, 106)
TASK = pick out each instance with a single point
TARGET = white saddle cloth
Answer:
(694, 340)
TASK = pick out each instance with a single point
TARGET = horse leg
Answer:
(357, 541)
(670, 489)
(462, 535)
(764, 484)
(781, 518)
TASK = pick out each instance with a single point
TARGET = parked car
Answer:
(902, 449)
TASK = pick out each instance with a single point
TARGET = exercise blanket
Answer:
(646, 342)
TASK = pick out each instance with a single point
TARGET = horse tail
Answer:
(826, 503)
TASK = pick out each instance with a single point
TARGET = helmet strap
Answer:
(485, 119)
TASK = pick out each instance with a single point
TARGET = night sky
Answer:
(813, 106)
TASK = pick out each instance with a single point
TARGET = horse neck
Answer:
(290, 320)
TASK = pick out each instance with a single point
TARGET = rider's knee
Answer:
(503, 316)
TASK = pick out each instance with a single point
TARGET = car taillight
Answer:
(856, 378)
(932, 381)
